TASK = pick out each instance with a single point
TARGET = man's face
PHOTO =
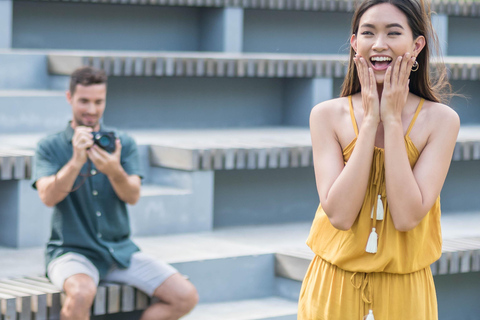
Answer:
(88, 105)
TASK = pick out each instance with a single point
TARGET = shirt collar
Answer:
(69, 132)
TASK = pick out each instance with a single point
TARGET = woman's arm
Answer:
(412, 193)
(341, 187)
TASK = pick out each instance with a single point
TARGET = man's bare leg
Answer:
(177, 298)
(80, 290)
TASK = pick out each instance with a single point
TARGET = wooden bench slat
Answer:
(128, 298)
(100, 302)
(141, 300)
(8, 307)
(113, 298)
(53, 295)
(23, 303)
(38, 298)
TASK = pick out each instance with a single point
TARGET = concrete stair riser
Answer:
(227, 279)
(249, 197)
(25, 220)
(33, 112)
(170, 211)
(287, 288)
(23, 71)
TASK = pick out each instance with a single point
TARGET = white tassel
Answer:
(380, 211)
(372, 242)
(379, 208)
(369, 316)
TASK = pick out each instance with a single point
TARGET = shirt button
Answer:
(111, 250)
(93, 172)
(99, 214)
(94, 192)
(99, 235)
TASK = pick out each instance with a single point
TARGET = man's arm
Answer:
(53, 189)
(127, 187)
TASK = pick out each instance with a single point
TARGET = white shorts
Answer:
(145, 272)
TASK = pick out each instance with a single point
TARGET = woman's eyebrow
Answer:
(368, 25)
(391, 25)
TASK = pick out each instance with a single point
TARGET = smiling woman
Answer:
(381, 154)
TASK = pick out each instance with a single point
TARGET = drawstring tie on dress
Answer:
(365, 287)
(379, 207)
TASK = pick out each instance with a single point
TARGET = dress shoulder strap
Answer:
(419, 107)
(352, 115)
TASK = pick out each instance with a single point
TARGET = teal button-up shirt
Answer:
(92, 220)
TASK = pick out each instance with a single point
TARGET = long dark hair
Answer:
(431, 84)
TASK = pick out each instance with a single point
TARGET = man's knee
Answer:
(187, 300)
(179, 293)
(81, 288)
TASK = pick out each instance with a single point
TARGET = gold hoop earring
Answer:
(415, 66)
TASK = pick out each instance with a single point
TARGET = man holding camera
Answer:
(89, 176)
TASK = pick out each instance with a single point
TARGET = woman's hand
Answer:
(396, 89)
(370, 100)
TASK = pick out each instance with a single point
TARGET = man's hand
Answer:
(81, 141)
(107, 163)
(126, 187)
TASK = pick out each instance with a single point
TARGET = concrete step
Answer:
(208, 64)
(31, 111)
(225, 265)
(451, 7)
(233, 264)
(271, 308)
(256, 148)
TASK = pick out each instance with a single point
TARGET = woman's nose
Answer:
(380, 44)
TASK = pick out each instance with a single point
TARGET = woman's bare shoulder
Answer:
(329, 109)
(440, 116)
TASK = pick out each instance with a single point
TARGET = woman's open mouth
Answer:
(380, 63)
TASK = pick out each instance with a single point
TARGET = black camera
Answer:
(105, 140)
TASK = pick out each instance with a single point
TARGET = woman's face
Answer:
(384, 35)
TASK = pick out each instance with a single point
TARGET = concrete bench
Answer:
(458, 256)
(469, 8)
(200, 64)
(15, 164)
(258, 149)
(35, 298)
(234, 149)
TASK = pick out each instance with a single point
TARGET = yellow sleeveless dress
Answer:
(344, 281)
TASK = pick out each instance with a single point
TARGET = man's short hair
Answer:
(86, 76)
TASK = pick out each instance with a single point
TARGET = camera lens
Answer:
(104, 141)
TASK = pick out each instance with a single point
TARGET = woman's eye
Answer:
(394, 34)
(367, 33)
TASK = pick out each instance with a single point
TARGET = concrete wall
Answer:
(462, 36)
(296, 31)
(467, 106)
(461, 189)
(104, 27)
(458, 296)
